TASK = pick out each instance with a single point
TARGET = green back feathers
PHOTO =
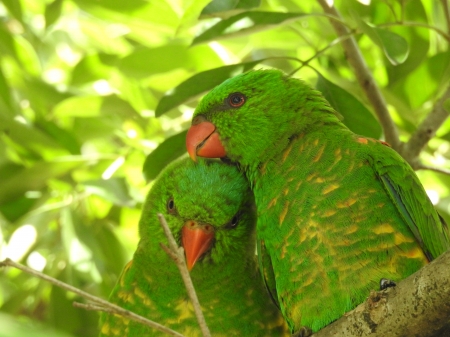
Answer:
(336, 211)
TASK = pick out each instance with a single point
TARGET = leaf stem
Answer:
(177, 254)
(426, 130)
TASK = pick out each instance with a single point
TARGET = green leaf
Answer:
(13, 326)
(393, 45)
(108, 253)
(29, 137)
(63, 137)
(418, 40)
(14, 209)
(144, 62)
(167, 151)
(446, 105)
(79, 106)
(90, 69)
(35, 177)
(245, 23)
(200, 83)
(356, 116)
(5, 93)
(14, 7)
(113, 189)
(217, 6)
(7, 46)
(52, 12)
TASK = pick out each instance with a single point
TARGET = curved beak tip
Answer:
(203, 140)
(196, 241)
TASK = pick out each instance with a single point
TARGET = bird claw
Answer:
(303, 332)
(386, 283)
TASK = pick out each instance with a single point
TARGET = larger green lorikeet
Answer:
(210, 210)
(337, 212)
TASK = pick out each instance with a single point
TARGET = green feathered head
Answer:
(209, 208)
(250, 117)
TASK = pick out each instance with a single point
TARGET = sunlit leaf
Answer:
(15, 7)
(200, 83)
(89, 69)
(80, 106)
(18, 326)
(169, 150)
(52, 12)
(245, 23)
(144, 62)
(113, 189)
(356, 116)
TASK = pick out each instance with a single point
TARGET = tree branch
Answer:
(364, 77)
(98, 303)
(177, 254)
(417, 306)
(417, 24)
(446, 11)
(426, 130)
(432, 168)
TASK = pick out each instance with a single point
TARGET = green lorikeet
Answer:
(337, 212)
(210, 210)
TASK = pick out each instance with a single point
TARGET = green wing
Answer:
(412, 202)
(265, 266)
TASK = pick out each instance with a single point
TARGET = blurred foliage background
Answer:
(87, 107)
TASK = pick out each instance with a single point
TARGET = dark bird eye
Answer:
(234, 222)
(171, 206)
(236, 100)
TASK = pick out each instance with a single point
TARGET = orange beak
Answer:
(197, 239)
(203, 140)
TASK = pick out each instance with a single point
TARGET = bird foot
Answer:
(303, 332)
(386, 283)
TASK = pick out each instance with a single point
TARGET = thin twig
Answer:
(92, 307)
(446, 10)
(426, 130)
(180, 261)
(99, 303)
(417, 24)
(321, 51)
(364, 77)
(433, 168)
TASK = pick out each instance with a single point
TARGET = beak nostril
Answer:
(198, 119)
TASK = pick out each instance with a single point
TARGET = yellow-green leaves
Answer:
(245, 23)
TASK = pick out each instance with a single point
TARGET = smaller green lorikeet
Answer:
(337, 212)
(210, 210)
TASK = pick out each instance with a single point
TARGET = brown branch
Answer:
(432, 168)
(364, 77)
(417, 306)
(446, 10)
(99, 304)
(426, 130)
(177, 254)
